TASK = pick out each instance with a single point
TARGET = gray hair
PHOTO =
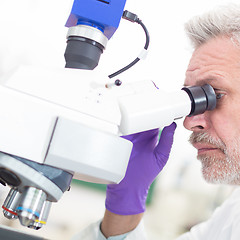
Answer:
(222, 21)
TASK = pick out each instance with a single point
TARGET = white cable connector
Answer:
(143, 54)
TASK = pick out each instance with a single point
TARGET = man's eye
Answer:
(219, 95)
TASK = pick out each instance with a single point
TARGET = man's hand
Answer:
(147, 159)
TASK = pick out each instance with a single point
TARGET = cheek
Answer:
(226, 126)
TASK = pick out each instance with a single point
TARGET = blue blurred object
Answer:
(105, 15)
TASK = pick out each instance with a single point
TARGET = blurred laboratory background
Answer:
(32, 32)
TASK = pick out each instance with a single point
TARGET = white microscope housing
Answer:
(56, 124)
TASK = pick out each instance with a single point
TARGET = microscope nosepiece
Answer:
(203, 98)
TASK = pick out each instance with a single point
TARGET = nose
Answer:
(197, 123)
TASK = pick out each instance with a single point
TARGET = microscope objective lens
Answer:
(10, 204)
(30, 205)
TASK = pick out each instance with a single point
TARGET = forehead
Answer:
(218, 59)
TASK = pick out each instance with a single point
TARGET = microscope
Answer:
(60, 124)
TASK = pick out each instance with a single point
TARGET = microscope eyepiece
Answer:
(203, 98)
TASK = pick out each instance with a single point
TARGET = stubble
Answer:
(219, 168)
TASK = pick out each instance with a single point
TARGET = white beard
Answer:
(224, 169)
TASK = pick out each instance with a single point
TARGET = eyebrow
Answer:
(203, 81)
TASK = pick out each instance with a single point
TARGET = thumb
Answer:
(164, 146)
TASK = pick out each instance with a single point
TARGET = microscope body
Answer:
(56, 126)
(56, 117)
(59, 124)
(69, 118)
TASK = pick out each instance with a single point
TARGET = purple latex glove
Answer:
(147, 159)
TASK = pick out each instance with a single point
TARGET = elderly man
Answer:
(215, 134)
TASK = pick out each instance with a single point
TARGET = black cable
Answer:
(146, 33)
(133, 18)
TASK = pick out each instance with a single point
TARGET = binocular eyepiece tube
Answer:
(154, 109)
(202, 98)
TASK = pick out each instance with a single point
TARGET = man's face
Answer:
(216, 134)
